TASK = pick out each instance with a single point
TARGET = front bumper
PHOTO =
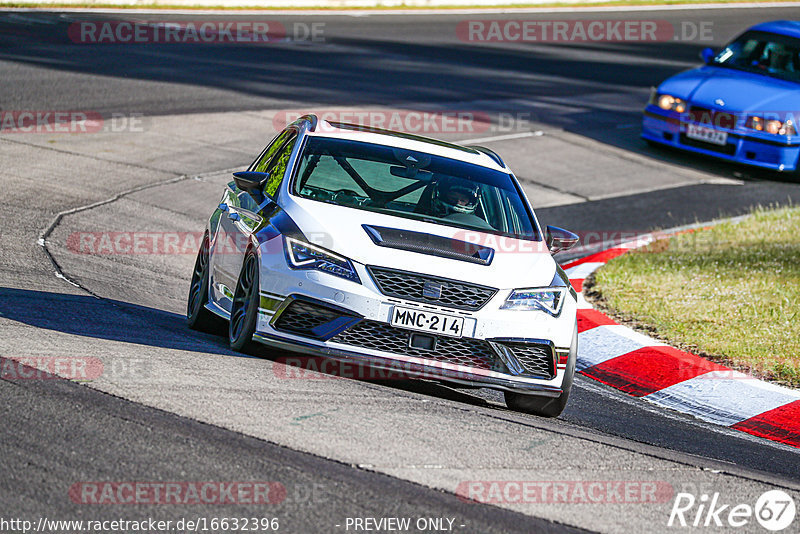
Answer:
(479, 358)
(747, 147)
(419, 368)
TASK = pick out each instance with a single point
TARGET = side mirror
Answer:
(250, 181)
(559, 240)
(707, 55)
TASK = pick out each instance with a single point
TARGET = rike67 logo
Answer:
(774, 510)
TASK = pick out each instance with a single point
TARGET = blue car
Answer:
(741, 106)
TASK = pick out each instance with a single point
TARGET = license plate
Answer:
(709, 135)
(425, 321)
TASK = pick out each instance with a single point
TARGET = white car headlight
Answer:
(546, 299)
(301, 255)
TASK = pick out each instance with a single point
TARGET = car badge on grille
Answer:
(432, 290)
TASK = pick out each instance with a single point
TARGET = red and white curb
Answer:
(643, 367)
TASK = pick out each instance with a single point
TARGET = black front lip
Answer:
(505, 383)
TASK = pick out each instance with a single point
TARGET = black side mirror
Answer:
(250, 181)
(707, 54)
(559, 240)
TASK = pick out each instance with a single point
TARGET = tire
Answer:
(244, 309)
(547, 406)
(197, 316)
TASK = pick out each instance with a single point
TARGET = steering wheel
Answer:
(345, 192)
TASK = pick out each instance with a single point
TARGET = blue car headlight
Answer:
(772, 126)
(301, 255)
(547, 299)
(667, 102)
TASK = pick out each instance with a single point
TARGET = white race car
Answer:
(396, 252)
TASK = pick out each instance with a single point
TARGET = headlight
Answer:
(772, 126)
(546, 299)
(302, 255)
(669, 102)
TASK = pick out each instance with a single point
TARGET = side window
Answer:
(263, 160)
(276, 167)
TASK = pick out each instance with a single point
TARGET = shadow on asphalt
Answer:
(91, 317)
(113, 320)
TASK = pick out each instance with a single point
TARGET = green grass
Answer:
(730, 292)
(455, 5)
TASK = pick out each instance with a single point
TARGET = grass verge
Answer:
(730, 293)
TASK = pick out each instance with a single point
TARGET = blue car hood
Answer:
(741, 91)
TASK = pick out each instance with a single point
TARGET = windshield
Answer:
(764, 53)
(413, 185)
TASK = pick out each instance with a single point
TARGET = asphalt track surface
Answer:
(196, 411)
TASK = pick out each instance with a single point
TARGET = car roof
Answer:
(470, 154)
(790, 28)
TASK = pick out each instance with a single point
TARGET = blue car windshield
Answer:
(764, 53)
(414, 185)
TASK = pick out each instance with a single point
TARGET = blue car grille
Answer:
(713, 118)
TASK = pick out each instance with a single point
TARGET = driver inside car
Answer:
(457, 200)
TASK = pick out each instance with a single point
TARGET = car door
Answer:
(241, 217)
(222, 261)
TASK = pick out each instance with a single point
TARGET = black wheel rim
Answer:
(198, 280)
(242, 298)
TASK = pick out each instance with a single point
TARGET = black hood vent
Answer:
(433, 245)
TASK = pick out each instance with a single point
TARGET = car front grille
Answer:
(713, 117)
(384, 337)
(536, 358)
(701, 115)
(300, 318)
(710, 118)
(408, 285)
